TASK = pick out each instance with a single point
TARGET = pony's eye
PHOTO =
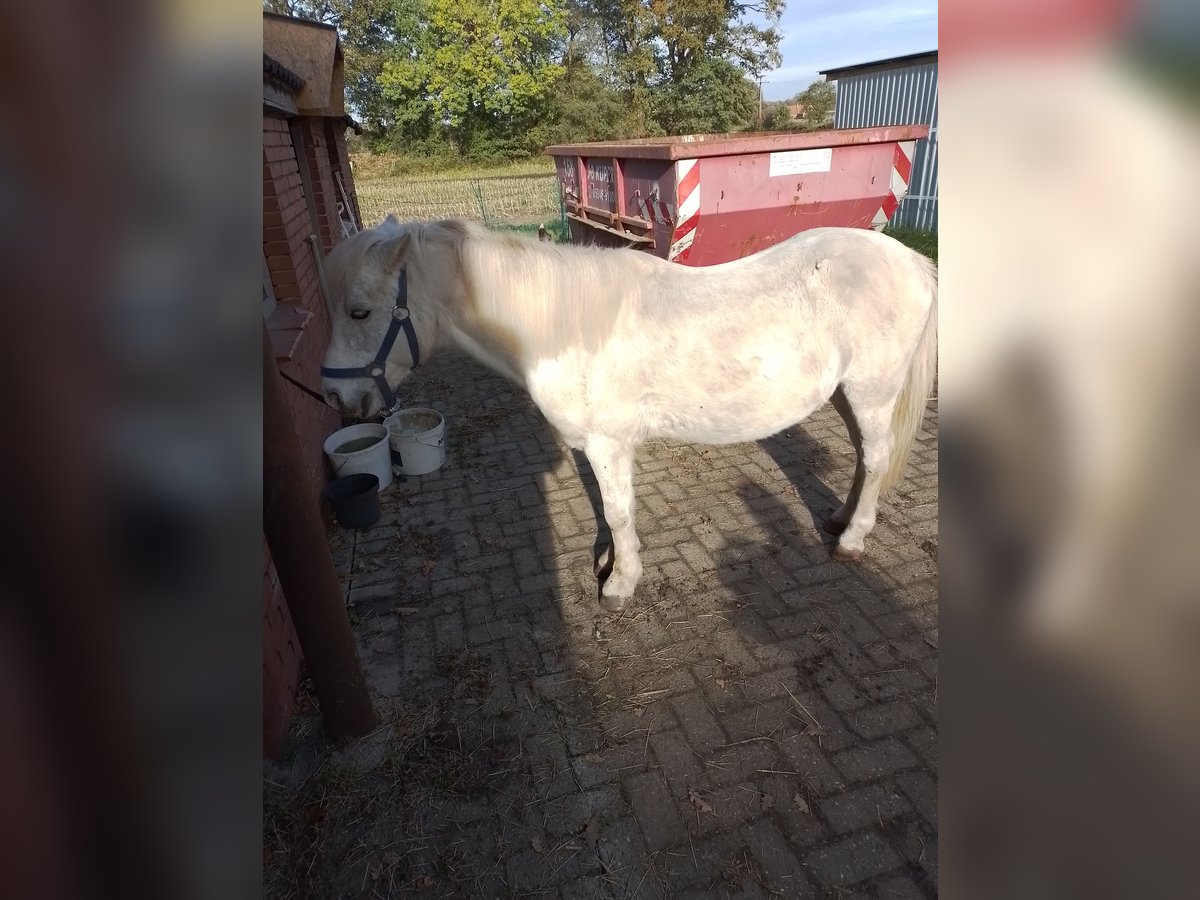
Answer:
(359, 313)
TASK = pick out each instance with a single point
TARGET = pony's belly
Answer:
(734, 425)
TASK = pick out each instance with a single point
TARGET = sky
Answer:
(822, 34)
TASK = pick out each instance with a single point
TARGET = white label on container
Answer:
(798, 162)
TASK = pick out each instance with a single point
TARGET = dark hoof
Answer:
(614, 604)
(832, 526)
(840, 552)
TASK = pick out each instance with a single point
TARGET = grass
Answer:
(925, 242)
(556, 228)
(383, 166)
(509, 196)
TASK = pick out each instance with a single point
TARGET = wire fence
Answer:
(501, 201)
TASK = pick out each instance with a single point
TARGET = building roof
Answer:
(308, 22)
(311, 52)
(892, 62)
(274, 70)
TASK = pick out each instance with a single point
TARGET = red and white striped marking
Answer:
(687, 190)
(658, 211)
(901, 170)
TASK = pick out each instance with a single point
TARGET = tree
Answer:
(657, 47)
(481, 71)
(503, 78)
(818, 100)
(778, 116)
(692, 31)
(714, 96)
(626, 54)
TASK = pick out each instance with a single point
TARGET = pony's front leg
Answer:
(612, 463)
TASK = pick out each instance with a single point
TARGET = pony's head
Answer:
(383, 308)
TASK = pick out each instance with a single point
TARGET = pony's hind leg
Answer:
(612, 463)
(875, 432)
(840, 519)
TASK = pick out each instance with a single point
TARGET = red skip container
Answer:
(700, 200)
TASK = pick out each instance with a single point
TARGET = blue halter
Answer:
(377, 367)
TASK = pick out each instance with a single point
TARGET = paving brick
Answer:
(841, 692)
(816, 719)
(893, 683)
(742, 622)
(885, 718)
(873, 804)
(876, 760)
(490, 632)
(922, 790)
(794, 650)
(731, 807)
(811, 765)
(681, 765)
(899, 887)
(780, 866)
(783, 683)
(920, 848)
(800, 821)
(589, 887)
(449, 632)
(549, 766)
(762, 720)
(654, 809)
(852, 860)
(698, 723)
(744, 761)
(569, 814)
(699, 861)
(924, 742)
(622, 855)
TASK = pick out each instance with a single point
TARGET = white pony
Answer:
(617, 346)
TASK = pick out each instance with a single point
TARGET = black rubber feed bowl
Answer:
(355, 499)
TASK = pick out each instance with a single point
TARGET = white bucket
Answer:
(373, 457)
(418, 437)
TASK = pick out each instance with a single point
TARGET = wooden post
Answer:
(296, 536)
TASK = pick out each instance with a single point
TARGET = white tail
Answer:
(910, 406)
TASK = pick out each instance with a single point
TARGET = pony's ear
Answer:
(395, 251)
(391, 220)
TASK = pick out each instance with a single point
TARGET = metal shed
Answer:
(901, 90)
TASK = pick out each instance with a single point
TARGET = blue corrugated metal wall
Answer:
(905, 96)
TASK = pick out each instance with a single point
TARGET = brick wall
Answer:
(325, 192)
(287, 223)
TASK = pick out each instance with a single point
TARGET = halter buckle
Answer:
(400, 313)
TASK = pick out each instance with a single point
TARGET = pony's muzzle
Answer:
(359, 407)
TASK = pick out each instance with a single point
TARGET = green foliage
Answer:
(491, 81)
(714, 96)
(778, 117)
(819, 99)
(477, 72)
(582, 108)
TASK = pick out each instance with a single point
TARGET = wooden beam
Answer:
(296, 537)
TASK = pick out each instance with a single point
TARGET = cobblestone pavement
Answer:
(760, 721)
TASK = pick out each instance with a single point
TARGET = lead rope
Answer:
(305, 388)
